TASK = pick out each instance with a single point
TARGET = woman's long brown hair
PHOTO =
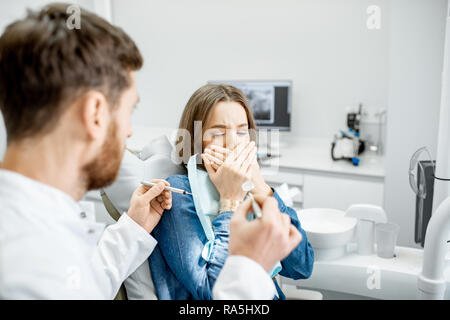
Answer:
(198, 109)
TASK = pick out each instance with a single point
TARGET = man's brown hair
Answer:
(45, 65)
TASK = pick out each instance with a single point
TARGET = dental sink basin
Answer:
(329, 231)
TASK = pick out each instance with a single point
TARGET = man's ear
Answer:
(95, 114)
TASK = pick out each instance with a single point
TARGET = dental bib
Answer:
(206, 201)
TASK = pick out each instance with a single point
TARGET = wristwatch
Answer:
(228, 205)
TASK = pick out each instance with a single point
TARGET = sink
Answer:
(328, 231)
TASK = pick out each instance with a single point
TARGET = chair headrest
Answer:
(154, 161)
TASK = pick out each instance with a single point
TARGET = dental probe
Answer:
(247, 187)
(176, 190)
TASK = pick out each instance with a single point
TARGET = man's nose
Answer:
(130, 132)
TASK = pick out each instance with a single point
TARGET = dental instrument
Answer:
(176, 190)
(247, 187)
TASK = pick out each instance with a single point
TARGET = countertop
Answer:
(310, 154)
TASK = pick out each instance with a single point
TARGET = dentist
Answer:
(67, 97)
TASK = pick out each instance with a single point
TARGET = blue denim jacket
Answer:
(178, 270)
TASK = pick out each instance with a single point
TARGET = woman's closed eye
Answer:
(222, 133)
(242, 132)
(217, 134)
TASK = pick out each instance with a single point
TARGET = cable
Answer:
(442, 179)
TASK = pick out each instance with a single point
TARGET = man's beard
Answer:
(103, 170)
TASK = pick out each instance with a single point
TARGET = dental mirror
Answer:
(247, 187)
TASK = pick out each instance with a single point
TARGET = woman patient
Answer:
(179, 270)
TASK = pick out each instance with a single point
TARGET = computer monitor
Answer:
(270, 101)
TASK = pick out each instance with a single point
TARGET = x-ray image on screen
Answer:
(262, 101)
(270, 101)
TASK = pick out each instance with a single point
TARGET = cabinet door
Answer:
(291, 179)
(340, 192)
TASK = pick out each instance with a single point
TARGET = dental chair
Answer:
(154, 161)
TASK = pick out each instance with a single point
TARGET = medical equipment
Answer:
(347, 146)
(329, 231)
(354, 120)
(431, 283)
(386, 238)
(270, 101)
(379, 146)
(176, 190)
(247, 187)
(368, 216)
(420, 186)
(422, 183)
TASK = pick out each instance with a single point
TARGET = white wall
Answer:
(11, 11)
(417, 30)
(324, 46)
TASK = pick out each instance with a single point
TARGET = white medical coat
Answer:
(52, 248)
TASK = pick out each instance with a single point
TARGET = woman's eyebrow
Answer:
(222, 126)
(219, 126)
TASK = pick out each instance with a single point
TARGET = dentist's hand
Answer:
(266, 240)
(232, 172)
(148, 204)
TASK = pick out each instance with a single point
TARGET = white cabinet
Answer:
(324, 183)
(292, 179)
(328, 190)
(321, 191)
